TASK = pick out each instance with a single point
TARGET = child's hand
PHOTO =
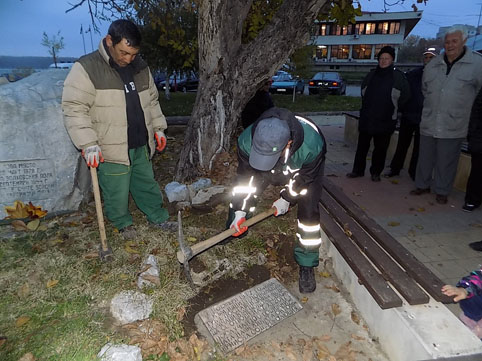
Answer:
(459, 292)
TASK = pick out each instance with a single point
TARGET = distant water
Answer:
(10, 70)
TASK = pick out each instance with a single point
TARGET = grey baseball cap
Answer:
(270, 138)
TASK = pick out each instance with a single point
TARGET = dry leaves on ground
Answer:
(21, 210)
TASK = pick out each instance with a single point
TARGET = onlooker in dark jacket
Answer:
(383, 90)
(411, 117)
(256, 106)
(473, 195)
(450, 83)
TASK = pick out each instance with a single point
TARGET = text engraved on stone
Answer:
(26, 180)
(237, 319)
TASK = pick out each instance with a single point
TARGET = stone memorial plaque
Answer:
(236, 320)
(31, 180)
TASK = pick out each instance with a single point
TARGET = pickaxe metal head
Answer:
(185, 249)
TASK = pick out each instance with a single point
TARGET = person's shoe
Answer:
(441, 199)
(354, 175)
(476, 246)
(419, 191)
(128, 232)
(168, 226)
(391, 174)
(307, 283)
(468, 207)
(376, 178)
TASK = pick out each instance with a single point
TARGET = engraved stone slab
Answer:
(38, 162)
(236, 320)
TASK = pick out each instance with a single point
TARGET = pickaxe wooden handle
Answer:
(208, 243)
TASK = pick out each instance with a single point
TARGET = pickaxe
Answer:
(186, 253)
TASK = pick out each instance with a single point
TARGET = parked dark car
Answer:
(187, 82)
(284, 83)
(329, 81)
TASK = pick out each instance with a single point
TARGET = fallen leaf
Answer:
(420, 209)
(124, 276)
(22, 320)
(333, 287)
(33, 225)
(394, 181)
(304, 299)
(19, 225)
(355, 318)
(476, 225)
(346, 229)
(325, 338)
(325, 274)
(42, 227)
(131, 250)
(90, 255)
(18, 210)
(52, 283)
(356, 337)
(335, 308)
(393, 224)
(27, 357)
(35, 212)
(191, 239)
(3, 340)
(270, 243)
(180, 313)
(418, 226)
(23, 290)
(152, 279)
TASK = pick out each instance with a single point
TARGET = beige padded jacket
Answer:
(94, 105)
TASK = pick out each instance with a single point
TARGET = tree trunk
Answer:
(231, 72)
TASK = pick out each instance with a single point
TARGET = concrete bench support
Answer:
(409, 333)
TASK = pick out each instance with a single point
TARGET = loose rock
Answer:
(120, 352)
(130, 306)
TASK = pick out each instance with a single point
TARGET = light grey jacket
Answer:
(449, 98)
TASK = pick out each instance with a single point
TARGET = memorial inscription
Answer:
(26, 180)
(236, 320)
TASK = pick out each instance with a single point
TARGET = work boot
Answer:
(168, 226)
(307, 282)
(128, 232)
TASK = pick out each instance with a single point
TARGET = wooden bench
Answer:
(380, 262)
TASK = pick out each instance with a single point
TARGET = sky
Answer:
(24, 21)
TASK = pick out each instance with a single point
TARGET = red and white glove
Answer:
(282, 206)
(93, 156)
(239, 218)
(161, 140)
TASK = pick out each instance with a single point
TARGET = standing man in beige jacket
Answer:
(112, 114)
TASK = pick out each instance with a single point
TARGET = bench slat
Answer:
(370, 278)
(414, 268)
(390, 270)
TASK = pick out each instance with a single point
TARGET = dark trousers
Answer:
(404, 139)
(380, 146)
(473, 193)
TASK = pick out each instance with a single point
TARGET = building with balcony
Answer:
(357, 45)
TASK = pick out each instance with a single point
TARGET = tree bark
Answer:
(231, 72)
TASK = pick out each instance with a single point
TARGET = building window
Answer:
(394, 27)
(360, 28)
(382, 28)
(340, 51)
(323, 29)
(362, 51)
(370, 28)
(321, 52)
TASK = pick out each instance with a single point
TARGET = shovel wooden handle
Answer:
(98, 208)
(208, 243)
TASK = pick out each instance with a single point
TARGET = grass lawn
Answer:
(182, 103)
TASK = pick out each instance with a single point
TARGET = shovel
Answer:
(105, 252)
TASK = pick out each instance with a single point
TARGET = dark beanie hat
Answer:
(387, 49)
